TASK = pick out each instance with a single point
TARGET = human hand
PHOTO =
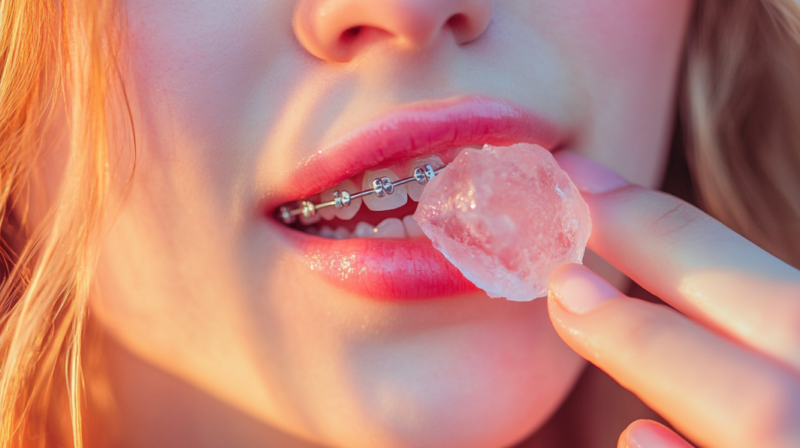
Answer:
(725, 372)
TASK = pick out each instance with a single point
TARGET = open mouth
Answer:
(378, 202)
(373, 248)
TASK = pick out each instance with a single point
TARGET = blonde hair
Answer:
(55, 62)
(740, 109)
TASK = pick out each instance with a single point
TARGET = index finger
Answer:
(692, 261)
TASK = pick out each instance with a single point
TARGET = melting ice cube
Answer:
(505, 217)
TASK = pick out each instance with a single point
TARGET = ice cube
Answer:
(505, 217)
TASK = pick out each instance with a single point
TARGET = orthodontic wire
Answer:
(381, 187)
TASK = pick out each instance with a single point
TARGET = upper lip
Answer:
(417, 129)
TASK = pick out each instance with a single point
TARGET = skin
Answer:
(218, 336)
(724, 367)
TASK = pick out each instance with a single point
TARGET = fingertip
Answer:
(622, 442)
(563, 271)
(588, 175)
(579, 290)
(650, 434)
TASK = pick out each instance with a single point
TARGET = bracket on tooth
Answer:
(341, 199)
(423, 174)
(287, 215)
(307, 209)
(380, 187)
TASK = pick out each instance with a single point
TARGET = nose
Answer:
(337, 30)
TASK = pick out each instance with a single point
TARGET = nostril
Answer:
(350, 35)
(351, 32)
(355, 38)
(337, 30)
(462, 28)
(457, 21)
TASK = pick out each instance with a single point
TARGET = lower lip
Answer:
(382, 269)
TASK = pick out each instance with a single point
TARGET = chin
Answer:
(482, 384)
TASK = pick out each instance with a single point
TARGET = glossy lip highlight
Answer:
(401, 270)
(380, 269)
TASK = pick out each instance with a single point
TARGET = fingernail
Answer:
(654, 435)
(580, 290)
(588, 176)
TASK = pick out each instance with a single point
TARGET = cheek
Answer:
(626, 34)
(624, 57)
(197, 64)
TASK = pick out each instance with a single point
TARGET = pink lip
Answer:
(379, 268)
(402, 269)
(421, 129)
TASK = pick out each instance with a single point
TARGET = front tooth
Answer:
(326, 232)
(390, 201)
(390, 228)
(364, 230)
(327, 213)
(345, 213)
(413, 230)
(341, 234)
(415, 188)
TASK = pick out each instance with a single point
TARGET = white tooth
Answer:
(326, 232)
(311, 219)
(327, 213)
(345, 213)
(390, 228)
(413, 229)
(389, 201)
(415, 188)
(364, 230)
(341, 234)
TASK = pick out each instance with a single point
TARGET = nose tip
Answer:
(337, 30)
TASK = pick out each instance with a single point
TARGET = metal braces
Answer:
(381, 187)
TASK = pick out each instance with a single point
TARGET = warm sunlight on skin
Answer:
(722, 370)
(198, 279)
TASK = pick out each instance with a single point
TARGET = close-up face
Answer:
(348, 328)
